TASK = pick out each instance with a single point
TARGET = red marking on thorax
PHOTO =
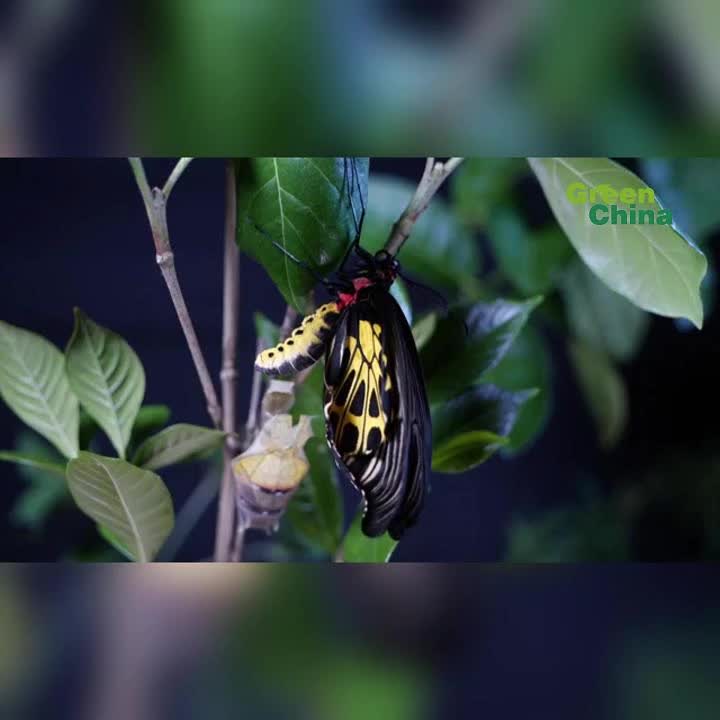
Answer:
(345, 299)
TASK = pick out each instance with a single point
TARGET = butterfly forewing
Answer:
(377, 417)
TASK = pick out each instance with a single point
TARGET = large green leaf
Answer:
(34, 386)
(526, 365)
(132, 503)
(600, 316)
(177, 444)
(469, 428)
(302, 204)
(316, 510)
(107, 377)
(604, 391)
(440, 250)
(531, 260)
(358, 548)
(654, 266)
(469, 342)
(479, 185)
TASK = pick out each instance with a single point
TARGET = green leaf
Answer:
(358, 548)
(132, 503)
(107, 377)
(526, 365)
(469, 428)
(115, 541)
(469, 342)
(480, 184)
(400, 292)
(440, 250)
(45, 478)
(150, 419)
(303, 204)
(266, 330)
(689, 183)
(34, 386)
(465, 451)
(423, 329)
(316, 510)
(654, 266)
(33, 462)
(531, 261)
(604, 391)
(177, 444)
(601, 317)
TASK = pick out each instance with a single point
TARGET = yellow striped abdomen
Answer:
(303, 347)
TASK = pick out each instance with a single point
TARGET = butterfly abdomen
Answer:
(303, 347)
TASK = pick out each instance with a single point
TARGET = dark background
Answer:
(74, 233)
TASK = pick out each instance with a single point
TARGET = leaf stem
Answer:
(156, 207)
(433, 177)
(178, 170)
(228, 374)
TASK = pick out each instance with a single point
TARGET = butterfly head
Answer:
(385, 267)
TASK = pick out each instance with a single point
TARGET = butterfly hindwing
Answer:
(303, 347)
(377, 415)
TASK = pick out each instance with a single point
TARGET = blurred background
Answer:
(392, 643)
(469, 77)
(642, 483)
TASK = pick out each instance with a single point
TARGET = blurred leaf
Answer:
(150, 419)
(88, 430)
(480, 184)
(400, 292)
(465, 451)
(33, 462)
(531, 261)
(266, 330)
(690, 184)
(34, 386)
(107, 377)
(604, 391)
(115, 541)
(592, 531)
(45, 491)
(601, 317)
(176, 444)
(469, 428)
(303, 204)
(359, 548)
(423, 329)
(133, 504)
(654, 266)
(526, 365)
(440, 250)
(469, 342)
(316, 510)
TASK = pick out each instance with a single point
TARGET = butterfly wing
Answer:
(377, 415)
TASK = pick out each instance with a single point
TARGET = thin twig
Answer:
(433, 177)
(228, 374)
(252, 418)
(156, 208)
(178, 170)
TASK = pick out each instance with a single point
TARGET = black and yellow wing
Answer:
(378, 421)
(305, 345)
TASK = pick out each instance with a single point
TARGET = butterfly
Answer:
(375, 403)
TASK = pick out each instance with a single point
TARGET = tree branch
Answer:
(156, 207)
(228, 374)
(433, 177)
(178, 170)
